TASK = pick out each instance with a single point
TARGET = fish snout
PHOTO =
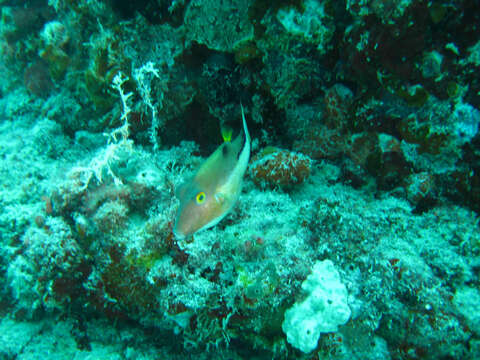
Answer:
(179, 234)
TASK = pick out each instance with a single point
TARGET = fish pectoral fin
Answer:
(220, 198)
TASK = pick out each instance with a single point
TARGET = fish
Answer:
(216, 186)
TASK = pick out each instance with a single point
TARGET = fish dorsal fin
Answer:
(245, 129)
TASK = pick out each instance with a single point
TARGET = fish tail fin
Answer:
(227, 132)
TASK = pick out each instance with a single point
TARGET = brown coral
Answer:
(274, 167)
(37, 79)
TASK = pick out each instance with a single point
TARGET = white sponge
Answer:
(322, 311)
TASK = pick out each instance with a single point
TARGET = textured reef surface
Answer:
(356, 235)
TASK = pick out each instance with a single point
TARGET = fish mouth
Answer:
(178, 235)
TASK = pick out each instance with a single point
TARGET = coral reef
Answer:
(274, 167)
(365, 177)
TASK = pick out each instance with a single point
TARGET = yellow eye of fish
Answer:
(200, 197)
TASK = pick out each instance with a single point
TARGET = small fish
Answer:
(208, 197)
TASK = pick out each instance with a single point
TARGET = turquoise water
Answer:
(355, 234)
